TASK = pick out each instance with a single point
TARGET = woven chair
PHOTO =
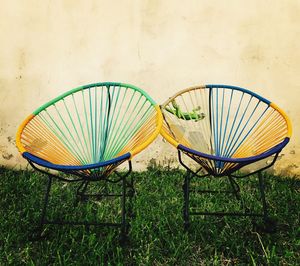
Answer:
(86, 133)
(224, 128)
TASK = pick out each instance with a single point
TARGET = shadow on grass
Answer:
(156, 234)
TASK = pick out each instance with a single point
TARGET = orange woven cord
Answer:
(36, 150)
(54, 151)
(32, 146)
(143, 134)
(207, 164)
(90, 172)
(228, 166)
(40, 141)
(270, 132)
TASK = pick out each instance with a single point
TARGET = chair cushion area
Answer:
(115, 161)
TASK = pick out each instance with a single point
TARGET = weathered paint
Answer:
(48, 47)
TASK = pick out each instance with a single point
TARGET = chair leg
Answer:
(125, 186)
(262, 194)
(235, 187)
(131, 194)
(269, 224)
(81, 191)
(186, 198)
(44, 209)
(123, 212)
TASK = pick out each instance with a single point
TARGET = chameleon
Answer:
(194, 115)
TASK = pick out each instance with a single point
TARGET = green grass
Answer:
(156, 235)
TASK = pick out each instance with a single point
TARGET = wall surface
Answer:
(162, 46)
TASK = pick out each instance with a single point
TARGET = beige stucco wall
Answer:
(48, 47)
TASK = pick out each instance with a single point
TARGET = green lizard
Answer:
(194, 115)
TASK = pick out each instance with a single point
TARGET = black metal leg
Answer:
(269, 224)
(262, 194)
(82, 189)
(131, 185)
(235, 187)
(131, 194)
(81, 192)
(86, 183)
(46, 200)
(186, 198)
(124, 228)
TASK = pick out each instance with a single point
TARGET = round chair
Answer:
(86, 133)
(224, 128)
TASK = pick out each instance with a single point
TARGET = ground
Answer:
(156, 235)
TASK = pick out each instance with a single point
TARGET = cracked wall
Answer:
(49, 47)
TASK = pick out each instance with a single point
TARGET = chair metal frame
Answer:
(128, 192)
(269, 223)
(97, 166)
(235, 164)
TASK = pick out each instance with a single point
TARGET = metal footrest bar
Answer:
(127, 192)
(86, 196)
(57, 222)
(211, 191)
(187, 209)
(227, 214)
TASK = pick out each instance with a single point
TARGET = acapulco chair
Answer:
(224, 128)
(86, 133)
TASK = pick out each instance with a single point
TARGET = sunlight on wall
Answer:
(49, 47)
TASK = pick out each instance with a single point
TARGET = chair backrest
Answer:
(224, 121)
(91, 124)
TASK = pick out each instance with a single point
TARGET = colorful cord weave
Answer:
(224, 127)
(90, 125)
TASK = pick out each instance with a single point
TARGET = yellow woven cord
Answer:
(140, 140)
(272, 130)
(19, 133)
(141, 136)
(37, 139)
(284, 115)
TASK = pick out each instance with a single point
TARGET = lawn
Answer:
(156, 236)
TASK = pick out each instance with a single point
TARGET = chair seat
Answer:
(247, 160)
(96, 126)
(216, 165)
(47, 164)
(223, 127)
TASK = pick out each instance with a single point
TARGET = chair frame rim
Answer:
(275, 149)
(126, 156)
(61, 167)
(247, 160)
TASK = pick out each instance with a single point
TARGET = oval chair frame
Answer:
(76, 171)
(239, 162)
(27, 155)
